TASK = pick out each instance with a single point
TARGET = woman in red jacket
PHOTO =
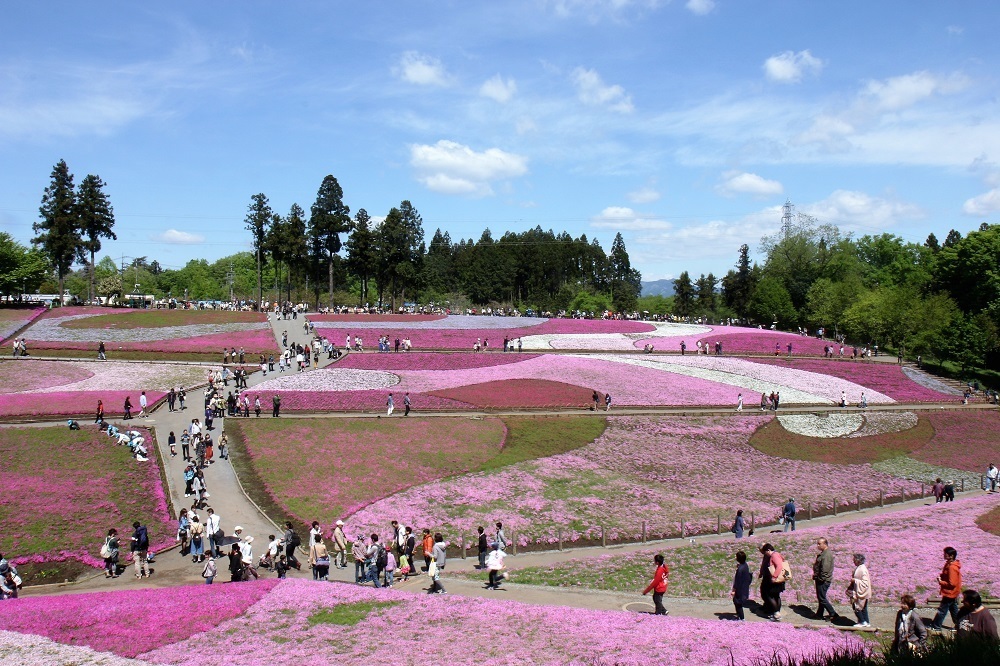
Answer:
(658, 586)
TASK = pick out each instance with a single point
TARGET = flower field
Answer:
(11, 319)
(106, 621)
(903, 550)
(164, 331)
(816, 438)
(326, 470)
(297, 621)
(735, 340)
(486, 380)
(64, 489)
(966, 439)
(660, 471)
(886, 378)
(72, 388)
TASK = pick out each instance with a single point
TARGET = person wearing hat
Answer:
(246, 549)
(340, 545)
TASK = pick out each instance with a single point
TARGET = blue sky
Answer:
(685, 125)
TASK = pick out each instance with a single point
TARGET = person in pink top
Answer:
(772, 581)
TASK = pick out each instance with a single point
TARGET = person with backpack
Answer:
(109, 551)
(376, 558)
(499, 537)
(772, 574)
(788, 515)
(292, 541)
(140, 549)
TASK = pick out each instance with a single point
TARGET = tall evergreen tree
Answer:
(259, 217)
(329, 217)
(683, 295)
(361, 251)
(57, 233)
(952, 239)
(96, 219)
(296, 246)
(932, 242)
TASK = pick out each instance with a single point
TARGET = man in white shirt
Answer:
(142, 405)
(212, 526)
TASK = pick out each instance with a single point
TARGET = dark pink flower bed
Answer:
(375, 318)
(963, 439)
(751, 341)
(131, 622)
(72, 403)
(520, 393)
(886, 378)
(429, 361)
(351, 401)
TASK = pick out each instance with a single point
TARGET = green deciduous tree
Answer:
(772, 303)
(21, 269)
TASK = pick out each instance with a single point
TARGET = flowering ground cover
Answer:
(886, 378)
(963, 438)
(903, 550)
(667, 335)
(306, 622)
(72, 388)
(106, 621)
(163, 331)
(736, 340)
(990, 521)
(775, 440)
(17, 648)
(11, 319)
(515, 393)
(63, 489)
(374, 319)
(657, 471)
(356, 401)
(326, 470)
(428, 361)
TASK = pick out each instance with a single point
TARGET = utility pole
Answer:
(230, 278)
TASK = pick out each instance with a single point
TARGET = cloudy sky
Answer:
(684, 124)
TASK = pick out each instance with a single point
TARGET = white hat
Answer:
(237, 529)
(340, 522)
(248, 539)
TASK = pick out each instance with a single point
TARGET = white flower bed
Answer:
(821, 425)
(17, 648)
(51, 330)
(877, 423)
(611, 341)
(118, 376)
(332, 379)
(458, 322)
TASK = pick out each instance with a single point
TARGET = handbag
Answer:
(105, 550)
(323, 561)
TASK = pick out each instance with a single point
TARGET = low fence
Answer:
(652, 532)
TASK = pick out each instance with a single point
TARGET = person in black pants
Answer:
(483, 548)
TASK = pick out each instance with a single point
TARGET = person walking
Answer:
(213, 527)
(110, 554)
(197, 530)
(340, 545)
(440, 559)
(860, 590)
(101, 351)
(607, 402)
(500, 537)
(143, 414)
(359, 550)
(772, 581)
(483, 546)
(596, 397)
(494, 563)
(658, 586)
(992, 475)
(950, 585)
(128, 408)
(292, 541)
(389, 406)
(741, 585)
(99, 417)
(788, 514)
(739, 403)
(739, 524)
(319, 558)
(406, 402)
(276, 406)
(140, 549)
(823, 578)
(210, 570)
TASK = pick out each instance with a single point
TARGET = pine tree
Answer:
(57, 233)
(96, 219)
(259, 217)
(329, 217)
(361, 251)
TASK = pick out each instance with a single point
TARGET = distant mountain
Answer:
(658, 288)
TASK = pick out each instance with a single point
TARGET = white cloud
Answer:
(790, 67)
(592, 90)
(497, 89)
(700, 7)
(624, 218)
(175, 237)
(985, 204)
(420, 69)
(736, 182)
(955, 29)
(644, 195)
(525, 125)
(452, 168)
(859, 211)
(901, 92)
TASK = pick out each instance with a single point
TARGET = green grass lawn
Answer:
(774, 440)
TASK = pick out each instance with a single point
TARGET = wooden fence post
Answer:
(513, 543)
(881, 498)
(461, 545)
(644, 531)
(810, 510)
(683, 529)
(560, 538)
(834, 506)
(922, 495)
(604, 543)
(859, 501)
(753, 520)
(718, 524)
(963, 485)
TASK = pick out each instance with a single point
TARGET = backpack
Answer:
(381, 558)
(295, 541)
